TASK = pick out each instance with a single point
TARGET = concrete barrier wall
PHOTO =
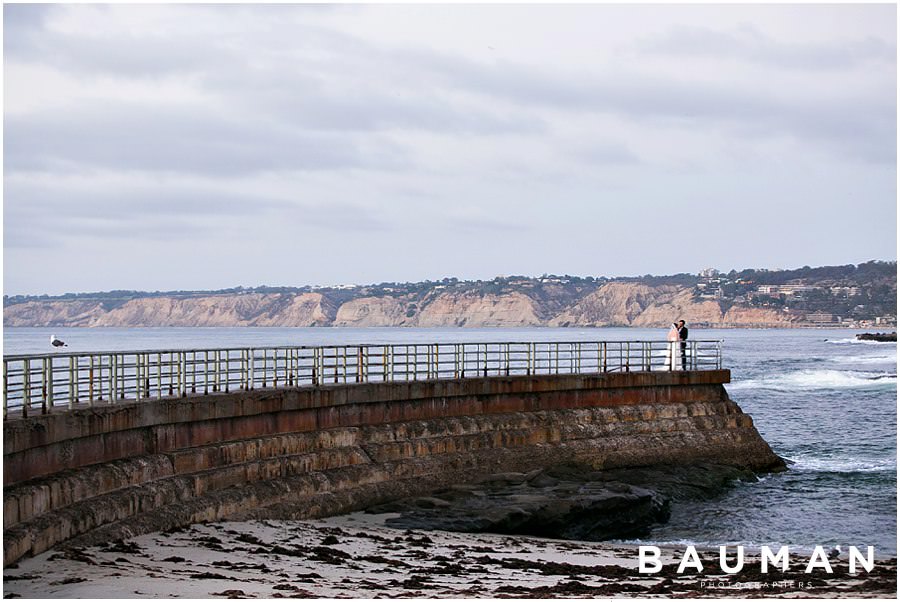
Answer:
(115, 471)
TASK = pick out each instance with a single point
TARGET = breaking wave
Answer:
(866, 359)
(846, 465)
(855, 341)
(817, 379)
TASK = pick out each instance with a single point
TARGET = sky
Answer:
(165, 147)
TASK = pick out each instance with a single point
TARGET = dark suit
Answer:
(683, 335)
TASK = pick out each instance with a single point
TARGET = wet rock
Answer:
(208, 575)
(881, 337)
(431, 502)
(567, 501)
(69, 581)
(231, 593)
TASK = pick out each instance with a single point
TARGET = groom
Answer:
(683, 335)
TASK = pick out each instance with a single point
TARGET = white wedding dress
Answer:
(673, 349)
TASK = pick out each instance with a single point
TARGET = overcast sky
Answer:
(194, 147)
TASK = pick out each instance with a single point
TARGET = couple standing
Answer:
(676, 356)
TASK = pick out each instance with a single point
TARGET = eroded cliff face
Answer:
(308, 309)
(374, 311)
(53, 313)
(472, 309)
(613, 304)
(616, 304)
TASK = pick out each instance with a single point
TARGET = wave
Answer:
(855, 341)
(817, 379)
(866, 359)
(844, 465)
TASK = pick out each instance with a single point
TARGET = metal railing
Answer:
(42, 383)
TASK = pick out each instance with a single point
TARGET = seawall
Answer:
(107, 472)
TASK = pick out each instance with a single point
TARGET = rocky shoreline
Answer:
(357, 556)
(568, 501)
(500, 537)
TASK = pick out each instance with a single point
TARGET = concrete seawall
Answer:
(107, 472)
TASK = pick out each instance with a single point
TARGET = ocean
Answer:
(823, 401)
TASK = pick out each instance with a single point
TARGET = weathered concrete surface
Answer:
(115, 471)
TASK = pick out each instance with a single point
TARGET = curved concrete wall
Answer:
(116, 471)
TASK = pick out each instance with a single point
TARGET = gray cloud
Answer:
(180, 140)
(149, 127)
(600, 153)
(862, 128)
(46, 215)
(748, 43)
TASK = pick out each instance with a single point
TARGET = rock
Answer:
(543, 480)
(881, 337)
(504, 478)
(567, 501)
(430, 502)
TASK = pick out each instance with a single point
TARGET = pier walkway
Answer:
(99, 447)
(45, 383)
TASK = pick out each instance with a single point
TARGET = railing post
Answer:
(336, 363)
(137, 376)
(182, 373)
(26, 382)
(112, 378)
(251, 369)
(507, 358)
(50, 382)
(73, 391)
(226, 370)
(119, 377)
(5, 388)
(145, 364)
(91, 381)
(462, 360)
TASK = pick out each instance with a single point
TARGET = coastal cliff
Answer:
(611, 304)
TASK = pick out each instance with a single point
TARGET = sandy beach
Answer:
(355, 556)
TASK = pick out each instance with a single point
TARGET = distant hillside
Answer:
(832, 295)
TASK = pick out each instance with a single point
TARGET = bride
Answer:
(673, 349)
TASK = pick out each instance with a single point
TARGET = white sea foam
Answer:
(855, 341)
(866, 359)
(814, 464)
(817, 379)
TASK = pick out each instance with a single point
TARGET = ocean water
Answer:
(822, 400)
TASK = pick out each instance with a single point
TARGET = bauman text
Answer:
(649, 562)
